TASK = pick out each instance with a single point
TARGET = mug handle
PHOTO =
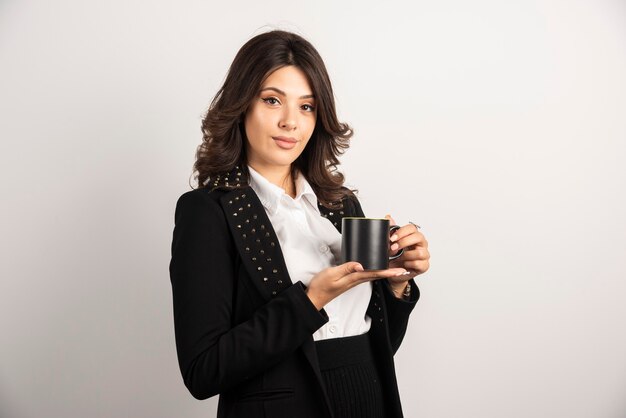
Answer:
(393, 228)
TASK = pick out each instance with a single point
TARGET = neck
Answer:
(278, 175)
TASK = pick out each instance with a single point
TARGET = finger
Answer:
(418, 267)
(422, 253)
(412, 239)
(377, 274)
(416, 253)
(403, 278)
(409, 242)
(349, 267)
(391, 221)
(391, 272)
(406, 231)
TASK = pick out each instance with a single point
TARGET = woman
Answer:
(263, 314)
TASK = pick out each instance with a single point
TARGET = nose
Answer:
(288, 120)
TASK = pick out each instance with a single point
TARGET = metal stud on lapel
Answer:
(229, 180)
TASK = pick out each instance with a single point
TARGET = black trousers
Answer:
(351, 378)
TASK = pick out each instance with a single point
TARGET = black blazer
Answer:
(243, 329)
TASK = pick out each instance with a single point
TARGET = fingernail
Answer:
(394, 246)
(394, 237)
(358, 267)
(402, 273)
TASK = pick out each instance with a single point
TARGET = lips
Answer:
(284, 142)
(285, 139)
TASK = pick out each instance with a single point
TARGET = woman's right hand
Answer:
(333, 281)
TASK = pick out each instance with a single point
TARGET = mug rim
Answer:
(365, 217)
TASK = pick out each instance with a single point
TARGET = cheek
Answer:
(311, 126)
(258, 122)
(252, 126)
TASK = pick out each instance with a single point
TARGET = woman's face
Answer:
(281, 119)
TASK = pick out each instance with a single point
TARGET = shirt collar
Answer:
(270, 194)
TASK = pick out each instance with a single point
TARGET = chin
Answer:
(286, 160)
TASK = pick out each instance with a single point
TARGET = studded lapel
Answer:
(256, 241)
(333, 215)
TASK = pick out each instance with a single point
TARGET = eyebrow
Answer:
(279, 91)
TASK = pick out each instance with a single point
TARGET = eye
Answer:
(308, 107)
(271, 100)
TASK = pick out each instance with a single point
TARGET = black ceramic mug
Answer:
(366, 240)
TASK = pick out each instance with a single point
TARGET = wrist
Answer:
(401, 290)
(314, 300)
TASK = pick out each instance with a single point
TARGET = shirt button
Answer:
(332, 329)
(323, 248)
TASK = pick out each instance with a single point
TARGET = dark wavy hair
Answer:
(223, 134)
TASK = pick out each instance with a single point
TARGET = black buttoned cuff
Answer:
(312, 318)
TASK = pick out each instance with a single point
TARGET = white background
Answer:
(499, 126)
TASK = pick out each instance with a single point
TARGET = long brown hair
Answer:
(223, 134)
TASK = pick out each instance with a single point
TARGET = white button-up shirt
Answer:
(310, 243)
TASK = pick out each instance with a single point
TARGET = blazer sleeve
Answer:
(213, 354)
(398, 310)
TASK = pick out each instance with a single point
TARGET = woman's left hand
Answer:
(415, 258)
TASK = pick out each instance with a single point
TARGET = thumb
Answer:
(351, 267)
(391, 221)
